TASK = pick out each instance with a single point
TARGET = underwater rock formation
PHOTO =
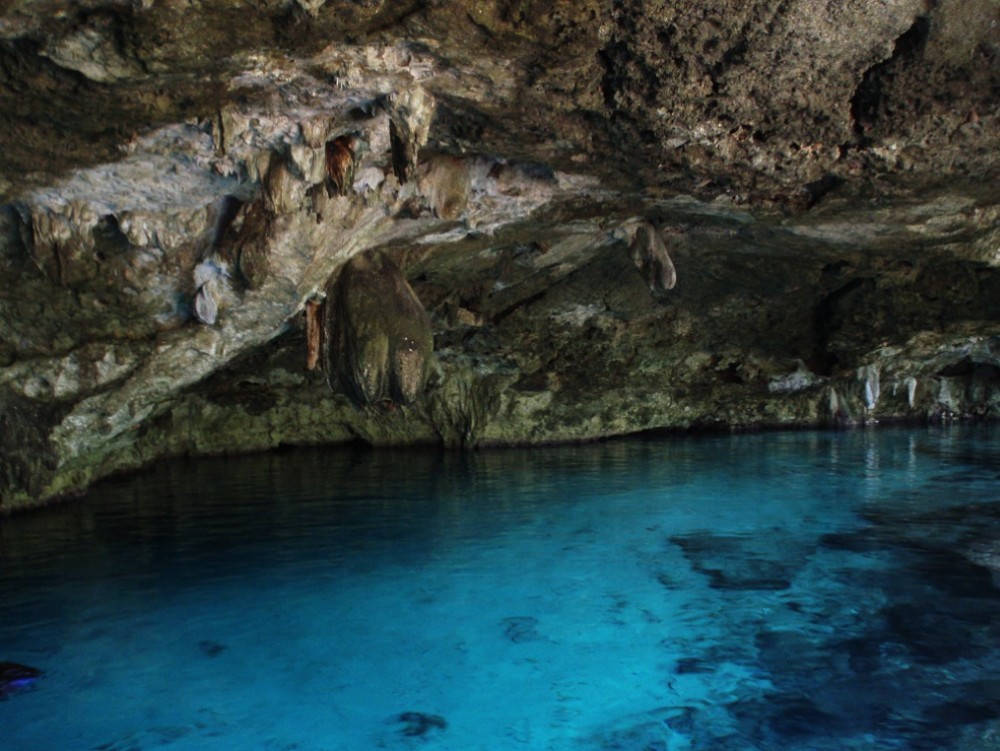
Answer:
(378, 335)
(419, 724)
(14, 676)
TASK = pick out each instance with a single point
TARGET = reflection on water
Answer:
(773, 591)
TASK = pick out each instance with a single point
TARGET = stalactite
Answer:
(314, 332)
(377, 336)
(869, 376)
(650, 256)
(340, 160)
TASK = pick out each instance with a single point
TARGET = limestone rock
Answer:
(379, 340)
(823, 175)
(340, 159)
(446, 183)
(212, 289)
(206, 307)
(283, 191)
(314, 333)
(649, 254)
(410, 112)
(248, 243)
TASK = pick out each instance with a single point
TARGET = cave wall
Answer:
(617, 217)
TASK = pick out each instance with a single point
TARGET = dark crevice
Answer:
(732, 374)
(503, 313)
(967, 367)
(394, 15)
(961, 367)
(611, 58)
(869, 97)
(117, 25)
(109, 240)
(463, 120)
(229, 207)
(732, 56)
(28, 455)
(826, 322)
(818, 189)
(480, 27)
(20, 238)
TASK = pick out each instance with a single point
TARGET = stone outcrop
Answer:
(601, 218)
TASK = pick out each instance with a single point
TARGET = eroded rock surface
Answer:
(617, 217)
(378, 339)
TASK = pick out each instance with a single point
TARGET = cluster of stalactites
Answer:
(240, 249)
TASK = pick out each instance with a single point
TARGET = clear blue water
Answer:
(783, 591)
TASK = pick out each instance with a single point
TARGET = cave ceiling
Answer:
(612, 217)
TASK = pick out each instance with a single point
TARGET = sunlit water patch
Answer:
(786, 591)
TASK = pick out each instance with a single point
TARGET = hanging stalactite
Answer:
(377, 336)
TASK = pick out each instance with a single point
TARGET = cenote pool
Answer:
(788, 591)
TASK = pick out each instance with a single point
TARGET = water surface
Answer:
(774, 591)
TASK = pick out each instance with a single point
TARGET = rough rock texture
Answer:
(377, 339)
(618, 216)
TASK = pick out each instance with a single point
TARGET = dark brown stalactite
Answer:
(340, 164)
(314, 333)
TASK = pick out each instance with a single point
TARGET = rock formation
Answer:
(377, 339)
(340, 160)
(824, 174)
(14, 677)
(650, 256)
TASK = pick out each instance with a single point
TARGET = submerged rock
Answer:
(521, 628)
(731, 564)
(211, 648)
(14, 676)
(419, 724)
(378, 335)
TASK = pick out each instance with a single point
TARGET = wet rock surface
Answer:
(647, 216)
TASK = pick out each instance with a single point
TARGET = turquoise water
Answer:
(773, 591)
